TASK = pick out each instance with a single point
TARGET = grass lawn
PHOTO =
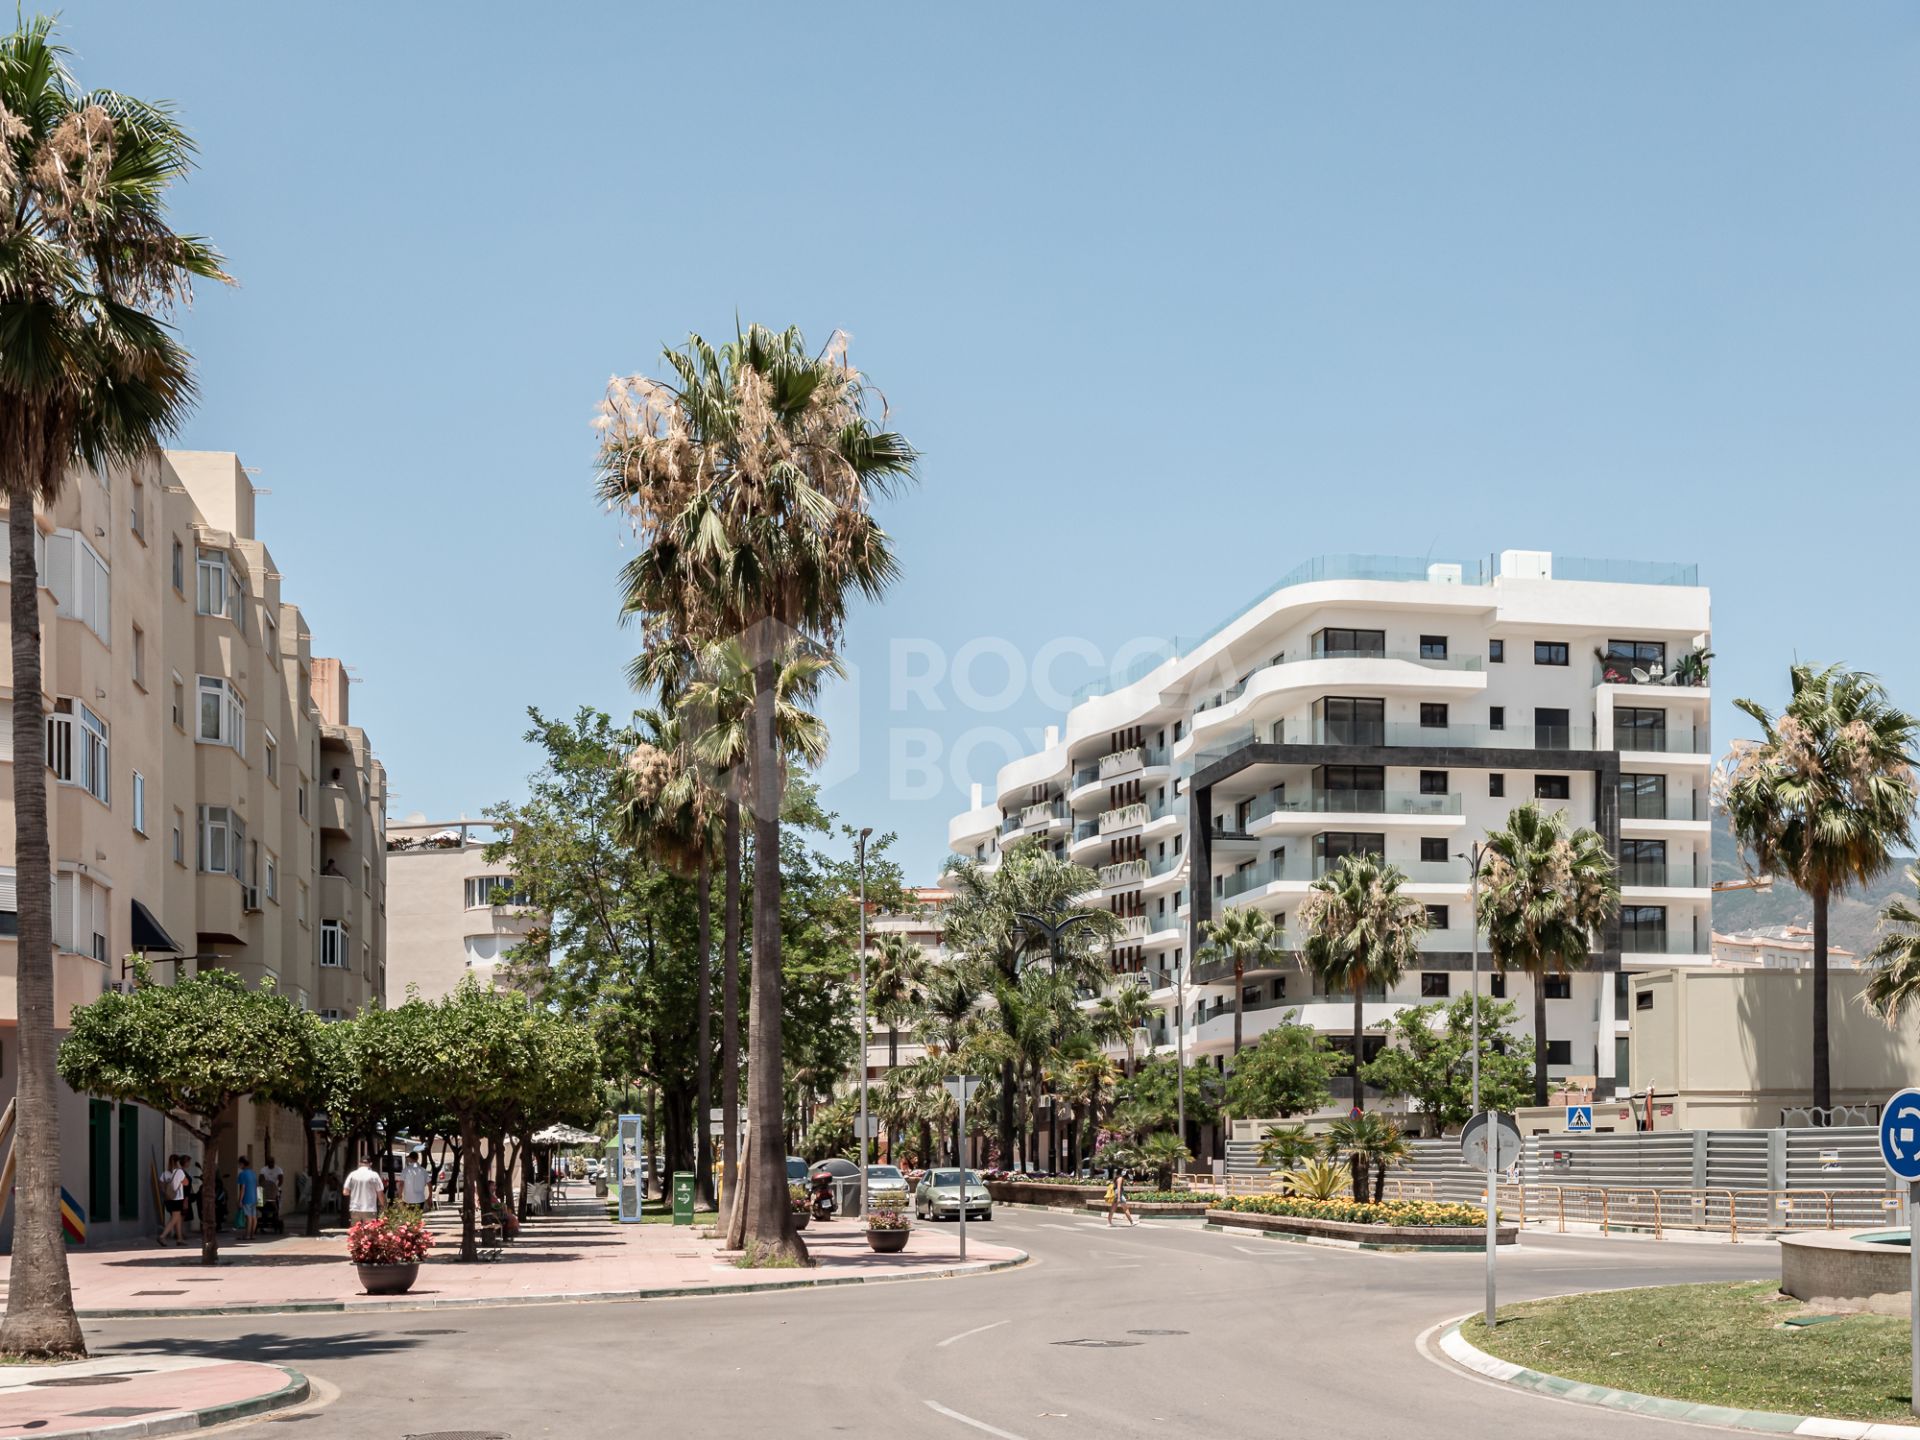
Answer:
(1713, 1344)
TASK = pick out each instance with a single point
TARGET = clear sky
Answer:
(1170, 297)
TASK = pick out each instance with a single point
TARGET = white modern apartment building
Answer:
(1399, 708)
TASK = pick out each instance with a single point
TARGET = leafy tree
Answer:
(1148, 1099)
(1245, 936)
(1283, 1074)
(1543, 894)
(1361, 934)
(1429, 1059)
(188, 1050)
(1822, 801)
(750, 485)
(90, 375)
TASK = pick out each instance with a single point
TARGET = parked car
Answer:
(796, 1170)
(885, 1180)
(939, 1196)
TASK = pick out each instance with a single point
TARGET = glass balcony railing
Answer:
(1664, 807)
(1662, 739)
(1411, 657)
(1300, 868)
(1084, 776)
(1355, 802)
(1086, 830)
(1401, 734)
(1681, 874)
(1661, 942)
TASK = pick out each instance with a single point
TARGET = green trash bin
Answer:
(683, 1197)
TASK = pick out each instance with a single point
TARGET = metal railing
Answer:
(1644, 1208)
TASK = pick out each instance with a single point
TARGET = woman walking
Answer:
(1117, 1198)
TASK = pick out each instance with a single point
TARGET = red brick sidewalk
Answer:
(139, 1395)
(575, 1253)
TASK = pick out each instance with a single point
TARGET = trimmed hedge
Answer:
(1352, 1212)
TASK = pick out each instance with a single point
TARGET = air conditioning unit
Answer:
(250, 898)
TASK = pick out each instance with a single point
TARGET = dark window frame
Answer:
(1433, 647)
(1551, 652)
(1553, 787)
(1435, 984)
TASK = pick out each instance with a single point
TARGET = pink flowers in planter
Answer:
(397, 1238)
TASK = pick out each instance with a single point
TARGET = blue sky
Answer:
(1170, 297)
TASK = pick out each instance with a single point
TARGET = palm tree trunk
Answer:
(730, 1007)
(1239, 999)
(1359, 1041)
(703, 1022)
(40, 1321)
(769, 1219)
(1539, 1037)
(1006, 1112)
(1822, 1054)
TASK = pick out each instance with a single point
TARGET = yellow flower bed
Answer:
(1353, 1212)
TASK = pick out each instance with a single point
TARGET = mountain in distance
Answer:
(1853, 919)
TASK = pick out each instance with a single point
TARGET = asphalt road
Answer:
(1206, 1335)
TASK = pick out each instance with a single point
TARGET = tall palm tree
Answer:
(1242, 934)
(1123, 1010)
(896, 991)
(1893, 982)
(1822, 801)
(749, 480)
(1543, 894)
(1088, 1084)
(985, 929)
(1361, 933)
(90, 375)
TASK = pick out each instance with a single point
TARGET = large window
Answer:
(1643, 929)
(1643, 862)
(1549, 652)
(1552, 729)
(488, 949)
(77, 576)
(1433, 782)
(1343, 644)
(1330, 846)
(482, 890)
(333, 944)
(1649, 657)
(1643, 797)
(1434, 984)
(1348, 721)
(78, 752)
(1433, 647)
(1437, 917)
(1433, 715)
(223, 840)
(212, 595)
(1639, 728)
(1552, 787)
(223, 714)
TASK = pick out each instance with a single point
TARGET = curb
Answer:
(1467, 1355)
(294, 1392)
(492, 1302)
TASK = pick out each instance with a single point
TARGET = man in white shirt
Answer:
(413, 1182)
(365, 1193)
(273, 1182)
(175, 1185)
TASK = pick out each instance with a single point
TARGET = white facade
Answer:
(1400, 707)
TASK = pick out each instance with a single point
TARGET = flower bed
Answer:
(397, 1238)
(1389, 1225)
(1353, 1212)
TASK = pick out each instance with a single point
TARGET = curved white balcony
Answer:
(1305, 677)
(966, 832)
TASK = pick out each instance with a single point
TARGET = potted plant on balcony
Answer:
(1693, 668)
(798, 1202)
(887, 1223)
(387, 1250)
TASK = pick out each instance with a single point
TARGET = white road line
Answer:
(1272, 1251)
(965, 1333)
(939, 1409)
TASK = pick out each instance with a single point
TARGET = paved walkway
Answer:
(139, 1395)
(574, 1253)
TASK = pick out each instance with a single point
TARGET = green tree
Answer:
(1361, 934)
(1822, 801)
(1123, 1010)
(1283, 1074)
(750, 486)
(1543, 894)
(1148, 1099)
(1245, 936)
(1369, 1143)
(1288, 1146)
(90, 375)
(1163, 1152)
(189, 1050)
(1893, 980)
(1429, 1059)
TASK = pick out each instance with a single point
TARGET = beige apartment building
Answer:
(211, 803)
(451, 914)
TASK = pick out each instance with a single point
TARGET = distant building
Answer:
(924, 923)
(450, 914)
(1776, 947)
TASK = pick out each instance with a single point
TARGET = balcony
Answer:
(1661, 739)
(1302, 869)
(336, 900)
(1127, 761)
(1625, 672)
(1408, 657)
(1678, 875)
(1691, 807)
(332, 812)
(1355, 802)
(1047, 811)
(1646, 943)
(1374, 733)
(1123, 817)
(1125, 872)
(1133, 928)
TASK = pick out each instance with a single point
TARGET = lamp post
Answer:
(1475, 856)
(862, 848)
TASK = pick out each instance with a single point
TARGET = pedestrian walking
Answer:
(1117, 1198)
(174, 1189)
(246, 1222)
(365, 1193)
(273, 1183)
(413, 1182)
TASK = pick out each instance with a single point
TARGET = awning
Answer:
(148, 933)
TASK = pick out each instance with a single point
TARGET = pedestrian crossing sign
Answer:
(1579, 1119)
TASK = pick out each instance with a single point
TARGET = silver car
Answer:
(938, 1197)
(885, 1180)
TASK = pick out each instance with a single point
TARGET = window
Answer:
(79, 915)
(1496, 717)
(222, 841)
(212, 597)
(1559, 1052)
(77, 576)
(9, 903)
(179, 850)
(137, 510)
(1433, 782)
(78, 752)
(1346, 721)
(179, 568)
(482, 890)
(366, 877)
(1638, 728)
(1643, 929)
(1496, 652)
(488, 949)
(1433, 647)
(272, 757)
(1558, 987)
(1432, 716)
(139, 802)
(330, 1016)
(1432, 848)
(302, 792)
(1625, 656)
(1497, 985)
(1643, 999)
(139, 657)
(1279, 987)
(270, 634)
(1549, 652)
(1330, 845)
(1643, 797)
(1552, 729)
(1643, 862)
(1496, 785)
(1551, 787)
(1345, 644)
(333, 945)
(1433, 984)
(223, 714)
(1353, 784)
(272, 876)
(1437, 917)
(179, 703)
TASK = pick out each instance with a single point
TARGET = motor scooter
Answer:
(821, 1196)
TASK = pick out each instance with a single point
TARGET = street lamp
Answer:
(863, 1027)
(1475, 856)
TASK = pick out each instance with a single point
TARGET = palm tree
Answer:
(1369, 1143)
(1242, 934)
(896, 989)
(1123, 1010)
(1287, 1146)
(1543, 894)
(1822, 801)
(90, 375)
(1088, 1083)
(1361, 934)
(1893, 981)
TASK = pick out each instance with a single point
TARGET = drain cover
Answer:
(1159, 1332)
(71, 1380)
(1098, 1344)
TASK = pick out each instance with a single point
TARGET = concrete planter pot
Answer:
(800, 1219)
(388, 1279)
(887, 1242)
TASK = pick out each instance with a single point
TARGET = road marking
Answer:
(965, 1333)
(939, 1409)
(1272, 1251)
